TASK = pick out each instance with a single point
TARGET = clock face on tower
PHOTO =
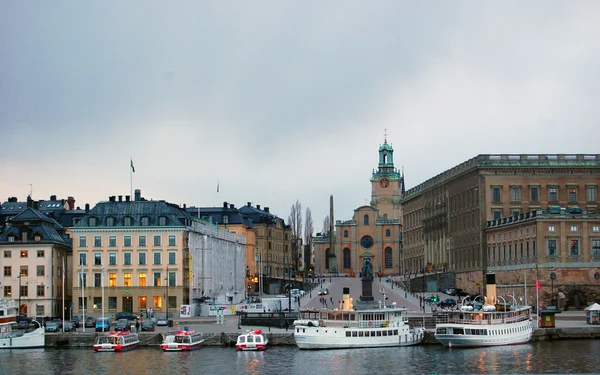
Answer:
(384, 182)
(366, 242)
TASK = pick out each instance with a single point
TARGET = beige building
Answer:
(34, 252)
(374, 232)
(559, 247)
(445, 217)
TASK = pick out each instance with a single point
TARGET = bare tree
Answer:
(326, 223)
(308, 234)
(295, 222)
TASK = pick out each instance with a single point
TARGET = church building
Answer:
(375, 230)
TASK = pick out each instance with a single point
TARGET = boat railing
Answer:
(360, 324)
(487, 319)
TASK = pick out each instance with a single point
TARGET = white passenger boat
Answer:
(493, 325)
(182, 341)
(10, 339)
(116, 342)
(252, 341)
(349, 328)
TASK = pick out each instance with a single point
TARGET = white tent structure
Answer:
(592, 314)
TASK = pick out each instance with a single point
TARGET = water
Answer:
(558, 357)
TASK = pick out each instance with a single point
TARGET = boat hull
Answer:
(114, 348)
(29, 340)
(255, 348)
(313, 338)
(519, 333)
(175, 347)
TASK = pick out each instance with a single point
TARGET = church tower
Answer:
(387, 185)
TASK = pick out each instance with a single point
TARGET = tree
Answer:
(326, 223)
(308, 236)
(295, 222)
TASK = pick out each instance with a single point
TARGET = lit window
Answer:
(127, 279)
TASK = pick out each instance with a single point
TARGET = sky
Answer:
(278, 101)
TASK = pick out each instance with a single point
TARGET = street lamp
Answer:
(19, 277)
(552, 278)
(167, 301)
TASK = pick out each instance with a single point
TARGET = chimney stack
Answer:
(258, 206)
(53, 197)
(111, 198)
(127, 198)
(36, 205)
(120, 198)
(232, 206)
(29, 201)
(267, 209)
(71, 202)
(12, 199)
(249, 204)
(224, 204)
(87, 207)
(138, 195)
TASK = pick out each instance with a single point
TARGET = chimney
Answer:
(53, 197)
(29, 201)
(127, 198)
(36, 205)
(120, 198)
(87, 207)
(71, 202)
(267, 209)
(184, 206)
(138, 195)
(258, 206)
(224, 204)
(111, 198)
(12, 199)
(249, 204)
(232, 206)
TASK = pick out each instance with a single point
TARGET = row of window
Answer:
(112, 241)
(24, 271)
(128, 221)
(388, 232)
(551, 229)
(347, 256)
(126, 280)
(127, 258)
(521, 250)
(534, 194)
(24, 253)
(24, 291)
(142, 303)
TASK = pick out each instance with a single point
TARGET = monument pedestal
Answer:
(366, 299)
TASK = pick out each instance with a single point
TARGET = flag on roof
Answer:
(132, 167)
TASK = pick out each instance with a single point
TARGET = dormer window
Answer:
(145, 221)
(162, 221)
(128, 221)
(11, 238)
(110, 221)
(37, 237)
(93, 221)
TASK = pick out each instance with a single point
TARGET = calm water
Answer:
(550, 357)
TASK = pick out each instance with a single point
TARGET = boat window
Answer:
(250, 339)
(360, 334)
(378, 333)
(354, 334)
(459, 331)
(348, 333)
(384, 333)
(258, 339)
(395, 332)
(372, 333)
(441, 331)
(242, 339)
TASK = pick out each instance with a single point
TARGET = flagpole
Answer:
(130, 180)
(82, 297)
(63, 295)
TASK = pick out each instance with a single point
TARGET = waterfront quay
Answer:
(569, 325)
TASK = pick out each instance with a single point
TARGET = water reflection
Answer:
(544, 357)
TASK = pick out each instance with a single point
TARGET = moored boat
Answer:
(10, 339)
(182, 341)
(493, 324)
(349, 328)
(116, 342)
(252, 341)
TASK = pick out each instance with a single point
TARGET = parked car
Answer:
(148, 325)
(52, 327)
(59, 322)
(90, 322)
(162, 321)
(69, 327)
(122, 325)
(103, 324)
(77, 321)
(125, 315)
(447, 303)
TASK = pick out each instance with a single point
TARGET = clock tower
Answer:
(387, 185)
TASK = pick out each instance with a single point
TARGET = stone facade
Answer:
(444, 217)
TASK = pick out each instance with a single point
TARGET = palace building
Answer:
(375, 230)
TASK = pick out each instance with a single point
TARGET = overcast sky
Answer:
(284, 100)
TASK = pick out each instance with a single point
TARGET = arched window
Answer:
(388, 233)
(347, 258)
(327, 259)
(346, 233)
(388, 257)
(366, 220)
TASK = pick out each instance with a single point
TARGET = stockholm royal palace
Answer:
(525, 217)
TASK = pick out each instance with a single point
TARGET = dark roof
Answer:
(136, 210)
(34, 223)
(216, 214)
(258, 216)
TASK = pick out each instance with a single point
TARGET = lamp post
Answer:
(552, 278)
(19, 307)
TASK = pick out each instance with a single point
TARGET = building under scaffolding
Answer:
(217, 264)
